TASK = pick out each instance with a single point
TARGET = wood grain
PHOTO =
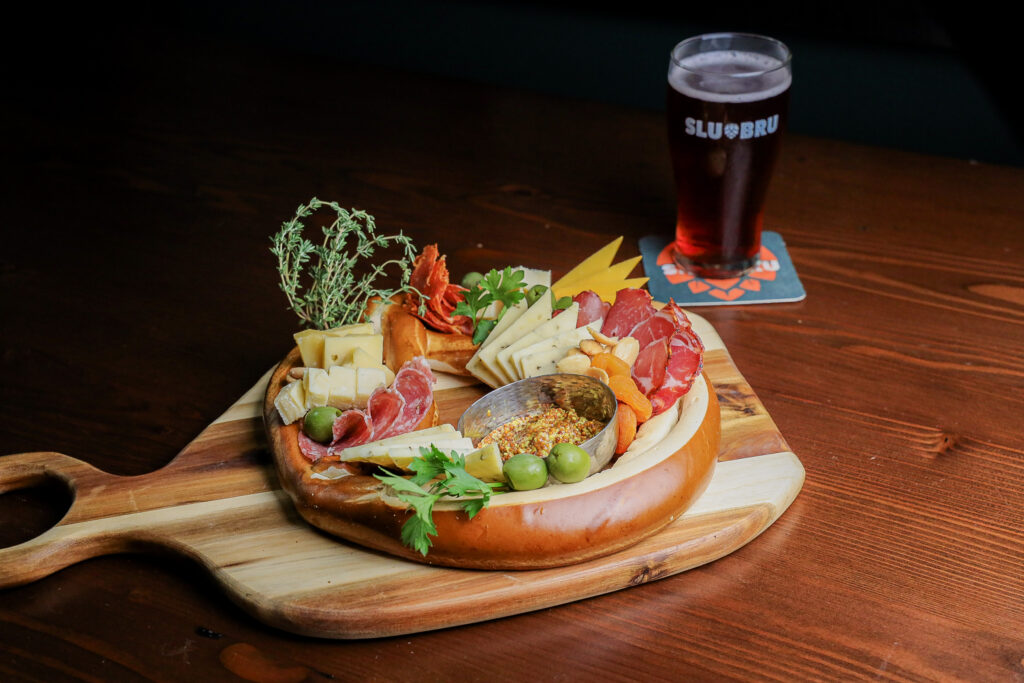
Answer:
(138, 300)
(220, 504)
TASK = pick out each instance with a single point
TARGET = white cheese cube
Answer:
(291, 402)
(342, 391)
(368, 380)
(317, 385)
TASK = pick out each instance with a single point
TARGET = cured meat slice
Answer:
(384, 407)
(649, 368)
(631, 307)
(686, 358)
(431, 279)
(591, 307)
(658, 327)
(351, 428)
(414, 382)
(311, 449)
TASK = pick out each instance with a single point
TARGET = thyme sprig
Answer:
(335, 294)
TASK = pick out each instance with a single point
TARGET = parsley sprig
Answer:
(505, 286)
(450, 478)
(336, 293)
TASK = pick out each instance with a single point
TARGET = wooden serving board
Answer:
(219, 503)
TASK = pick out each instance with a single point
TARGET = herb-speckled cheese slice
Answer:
(540, 358)
(536, 314)
(563, 322)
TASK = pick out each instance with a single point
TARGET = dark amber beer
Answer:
(728, 100)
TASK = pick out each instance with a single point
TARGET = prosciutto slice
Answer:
(631, 307)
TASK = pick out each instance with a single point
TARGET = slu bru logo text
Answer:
(723, 290)
(744, 130)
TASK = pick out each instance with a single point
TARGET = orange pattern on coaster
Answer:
(729, 289)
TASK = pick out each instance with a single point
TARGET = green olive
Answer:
(470, 280)
(319, 423)
(525, 471)
(568, 463)
(534, 293)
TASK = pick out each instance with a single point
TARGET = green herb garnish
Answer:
(449, 476)
(336, 295)
(504, 286)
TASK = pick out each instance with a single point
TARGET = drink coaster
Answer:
(774, 280)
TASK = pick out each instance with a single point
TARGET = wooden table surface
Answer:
(139, 300)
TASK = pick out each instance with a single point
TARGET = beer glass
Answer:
(727, 103)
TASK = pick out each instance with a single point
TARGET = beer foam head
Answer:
(729, 76)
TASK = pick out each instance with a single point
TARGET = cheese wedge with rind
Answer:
(536, 314)
(540, 358)
(605, 283)
(473, 365)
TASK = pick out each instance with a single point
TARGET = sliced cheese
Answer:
(311, 342)
(340, 350)
(342, 392)
(317, 385)
(291, 402)
(540, 358)
(536, 314)
(611, 278)
(473, 365)
(592, 265)
(563, 322)
(419, 436)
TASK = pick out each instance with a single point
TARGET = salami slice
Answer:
(414, 382)
(311, 449)
(631, 307)
(351, 428)
(384, 407)
(591, 307)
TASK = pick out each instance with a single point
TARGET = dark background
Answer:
(918, 76)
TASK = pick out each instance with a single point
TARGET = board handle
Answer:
(73, 538)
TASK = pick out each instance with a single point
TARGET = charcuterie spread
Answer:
(557, 464)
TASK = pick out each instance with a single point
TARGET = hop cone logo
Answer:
(731, 130)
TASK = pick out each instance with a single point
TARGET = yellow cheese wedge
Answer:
(610, 277)
(592, 265)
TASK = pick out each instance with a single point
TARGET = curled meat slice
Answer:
(649, 369)
(311, 449)
(685, 360)
(631, 307)
(430, 278)
(351, 428)
(414, 382)
(592, 308)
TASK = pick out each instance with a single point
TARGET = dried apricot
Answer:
(611, 364)
(627, 428)
(625, 390)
